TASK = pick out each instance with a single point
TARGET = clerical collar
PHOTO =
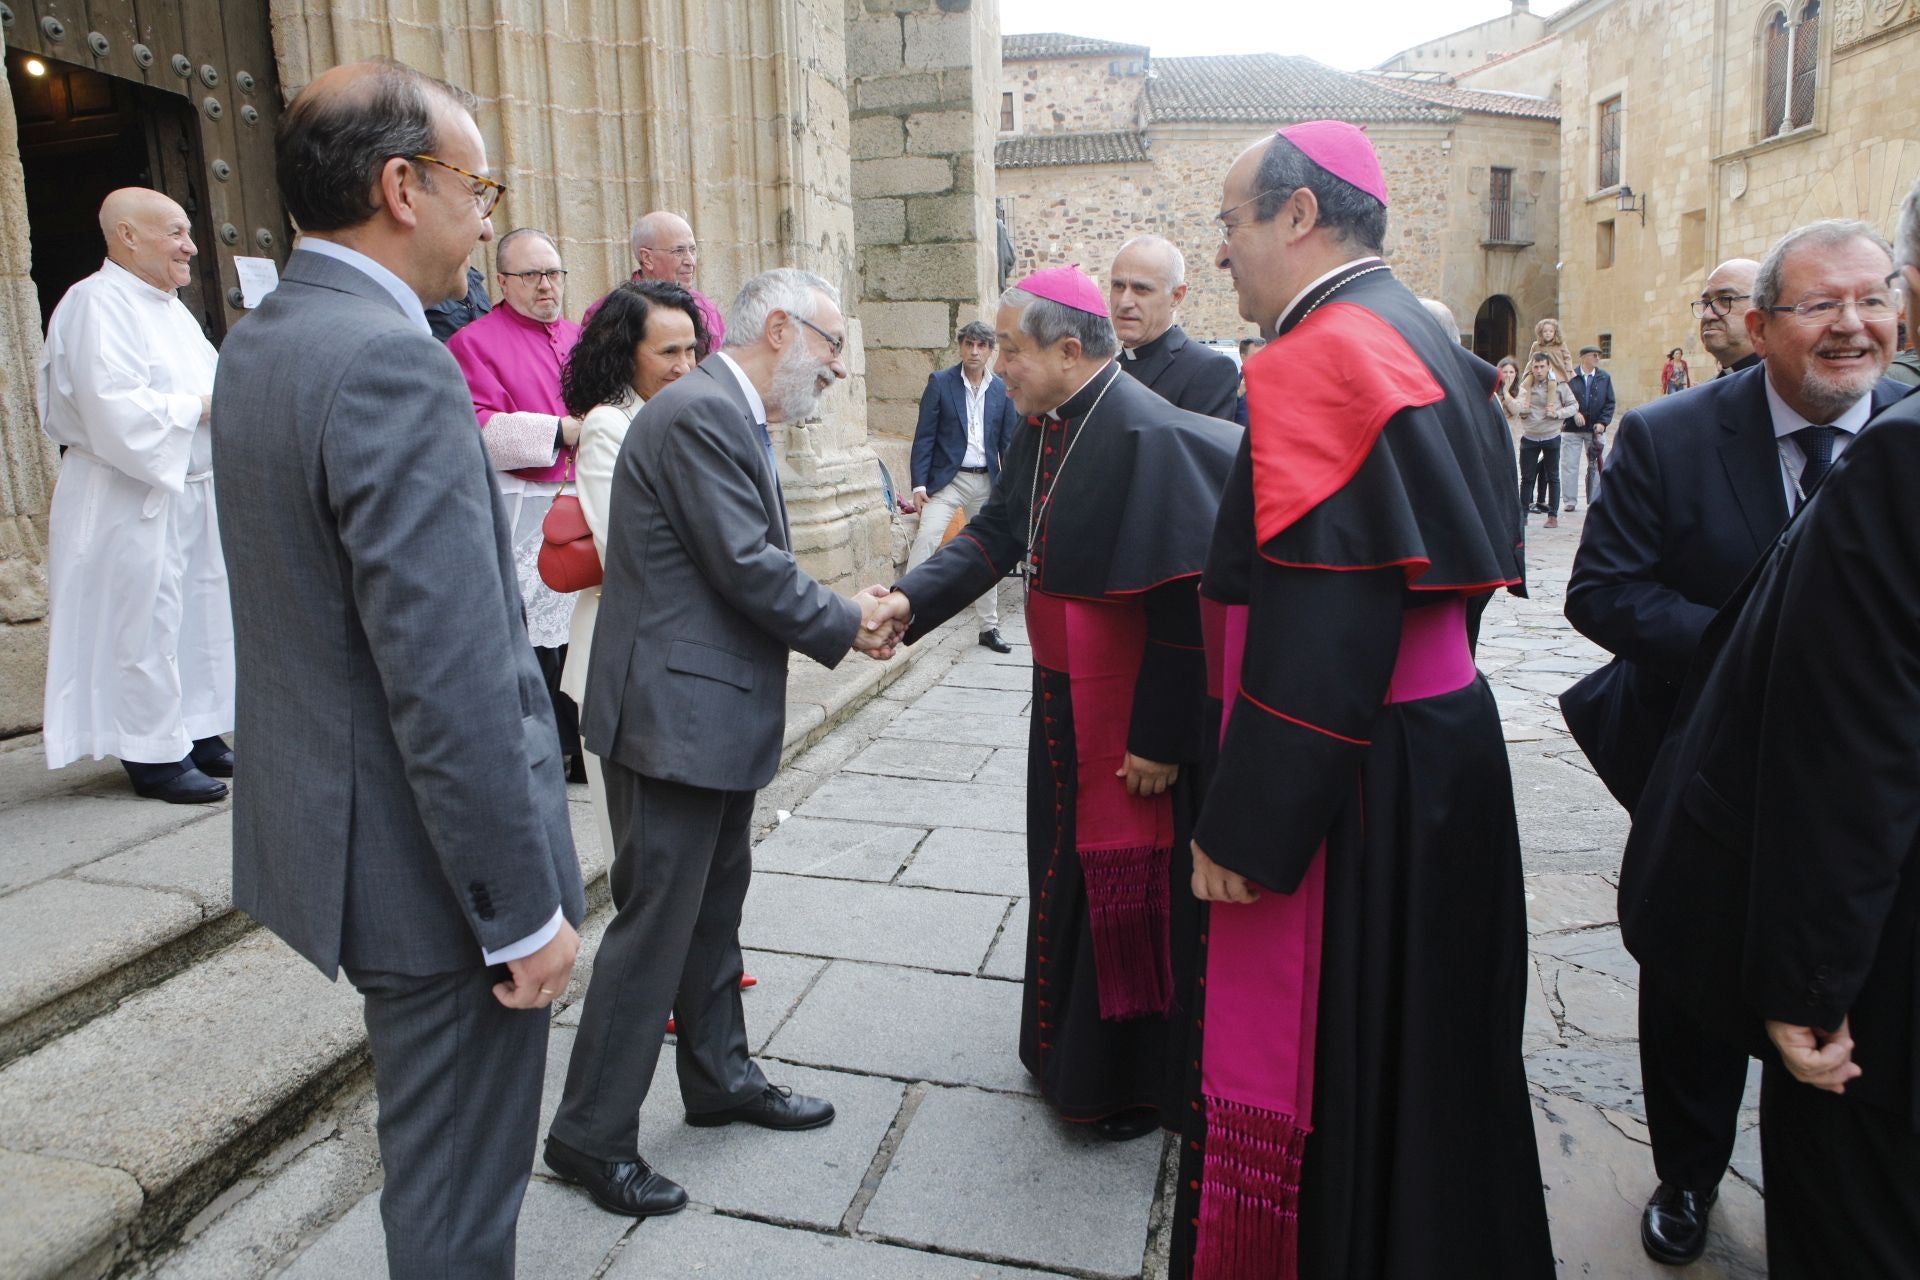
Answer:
(1151, 347)
(1787, 419)
(1746, 361)
(400, 291)
(1351, 265)
(1076, 404)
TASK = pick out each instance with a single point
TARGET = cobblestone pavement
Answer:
(886, 926)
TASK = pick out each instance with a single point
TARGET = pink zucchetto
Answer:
(1068, 286)
(1342, 150)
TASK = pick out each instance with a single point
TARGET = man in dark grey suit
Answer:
(402, 813)
(686, 704)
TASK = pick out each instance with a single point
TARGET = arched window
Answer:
(1790, 56)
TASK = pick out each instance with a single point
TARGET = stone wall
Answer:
(1472, 270)
(922, 75)
(1714, 190)
(28, 460)
(1073, 95)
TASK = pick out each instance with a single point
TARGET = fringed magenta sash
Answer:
(1123, 842)
(1263, 995)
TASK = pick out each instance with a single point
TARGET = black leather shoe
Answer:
(991, 639)
(776, 1107)
(1673, 1228)
(627, 1187)
(1125, 1126)
(189, 786)
(213, 757)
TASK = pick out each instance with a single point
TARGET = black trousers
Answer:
(1540, 461)
(1843, 1184)
(566, 716)
(458, 1077)
(1693, 1084)
(681, 865)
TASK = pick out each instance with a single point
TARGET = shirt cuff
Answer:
(528, 945)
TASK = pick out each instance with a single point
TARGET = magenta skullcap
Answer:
(1068, 286)
(1342, 150)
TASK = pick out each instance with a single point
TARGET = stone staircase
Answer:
(155, 1044)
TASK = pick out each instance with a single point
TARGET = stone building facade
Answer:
(1074, 186)
(739, 115)
(1718, 177)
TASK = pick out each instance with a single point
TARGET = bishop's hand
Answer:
(1214, 883)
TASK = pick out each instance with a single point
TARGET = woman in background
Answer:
(1674, 375)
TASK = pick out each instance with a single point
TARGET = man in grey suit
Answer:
(402, 813)
(686, 704)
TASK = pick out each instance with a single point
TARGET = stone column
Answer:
(925, 76)
(731, 114)
(28, 460)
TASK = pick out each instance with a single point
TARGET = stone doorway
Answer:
(82, 135)
(1495, 329)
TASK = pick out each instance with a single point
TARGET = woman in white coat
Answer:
(643, 336)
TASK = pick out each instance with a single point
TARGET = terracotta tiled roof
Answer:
(1485, 101)
(1272, 88)
(1055, 44)
(1039, 150)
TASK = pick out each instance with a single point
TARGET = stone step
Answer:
(154, 1043)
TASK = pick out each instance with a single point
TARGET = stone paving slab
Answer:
(837, 850)
(849, 920)
(989, 675)
(61, 1217)
(59, 935)
(911, 1025)
(906, 758)
(960, 726)
(1022, 655)
(688, 1245)
(207, 1054)
(58, 833)
(1008, 768)
(783, 980)
(1606, 1075)
(196, 860)
(1558, 903)
(911, 802)
(562, 1233)
(992, 1175)
(1008, 959)
(808, 1178)
(970, 861)
(1599, 950)
(960, 699)
(1598, 1006)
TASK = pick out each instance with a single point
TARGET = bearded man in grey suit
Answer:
(401, 812)
(686, 707)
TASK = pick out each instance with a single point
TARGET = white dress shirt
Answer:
(976, 455)
(1786, 421)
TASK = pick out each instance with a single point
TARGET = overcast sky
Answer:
(1350, 35)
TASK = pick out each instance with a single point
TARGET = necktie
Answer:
(767, 439)
(1817, 444)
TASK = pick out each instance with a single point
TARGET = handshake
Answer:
(884, 616)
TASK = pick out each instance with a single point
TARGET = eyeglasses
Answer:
(486, 195)
(1875, 308)
(553, 275)
(1228, 228)
(833, 344)
(1720, 304)
(679, 250)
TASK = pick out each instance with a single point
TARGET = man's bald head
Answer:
(1147, 280)
(149, 234)
(1723, 305)
(664, 248)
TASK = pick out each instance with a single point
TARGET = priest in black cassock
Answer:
(1106, 502)
(1145, 285)
(1362, 1107)
(1777, 845)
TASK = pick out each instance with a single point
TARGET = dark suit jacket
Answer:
(940, 438)
(1774, 865)
(400, 803)
(1187, 375)
(702, 599)
(1595, 405)
(1693, 496)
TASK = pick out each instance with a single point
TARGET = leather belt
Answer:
(975, 470)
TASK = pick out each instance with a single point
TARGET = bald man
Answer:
(140, 636)
(664, 247)
(1722, 311)
(1145, 285)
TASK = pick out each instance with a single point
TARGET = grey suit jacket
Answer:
(400, 803)
(702, 598)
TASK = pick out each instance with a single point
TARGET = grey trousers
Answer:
(968, 489)
(458, 1077)
(1576, 447)
(682, 860)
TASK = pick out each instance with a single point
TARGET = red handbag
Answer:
(568, 561)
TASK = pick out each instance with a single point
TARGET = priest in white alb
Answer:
(140, 643)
